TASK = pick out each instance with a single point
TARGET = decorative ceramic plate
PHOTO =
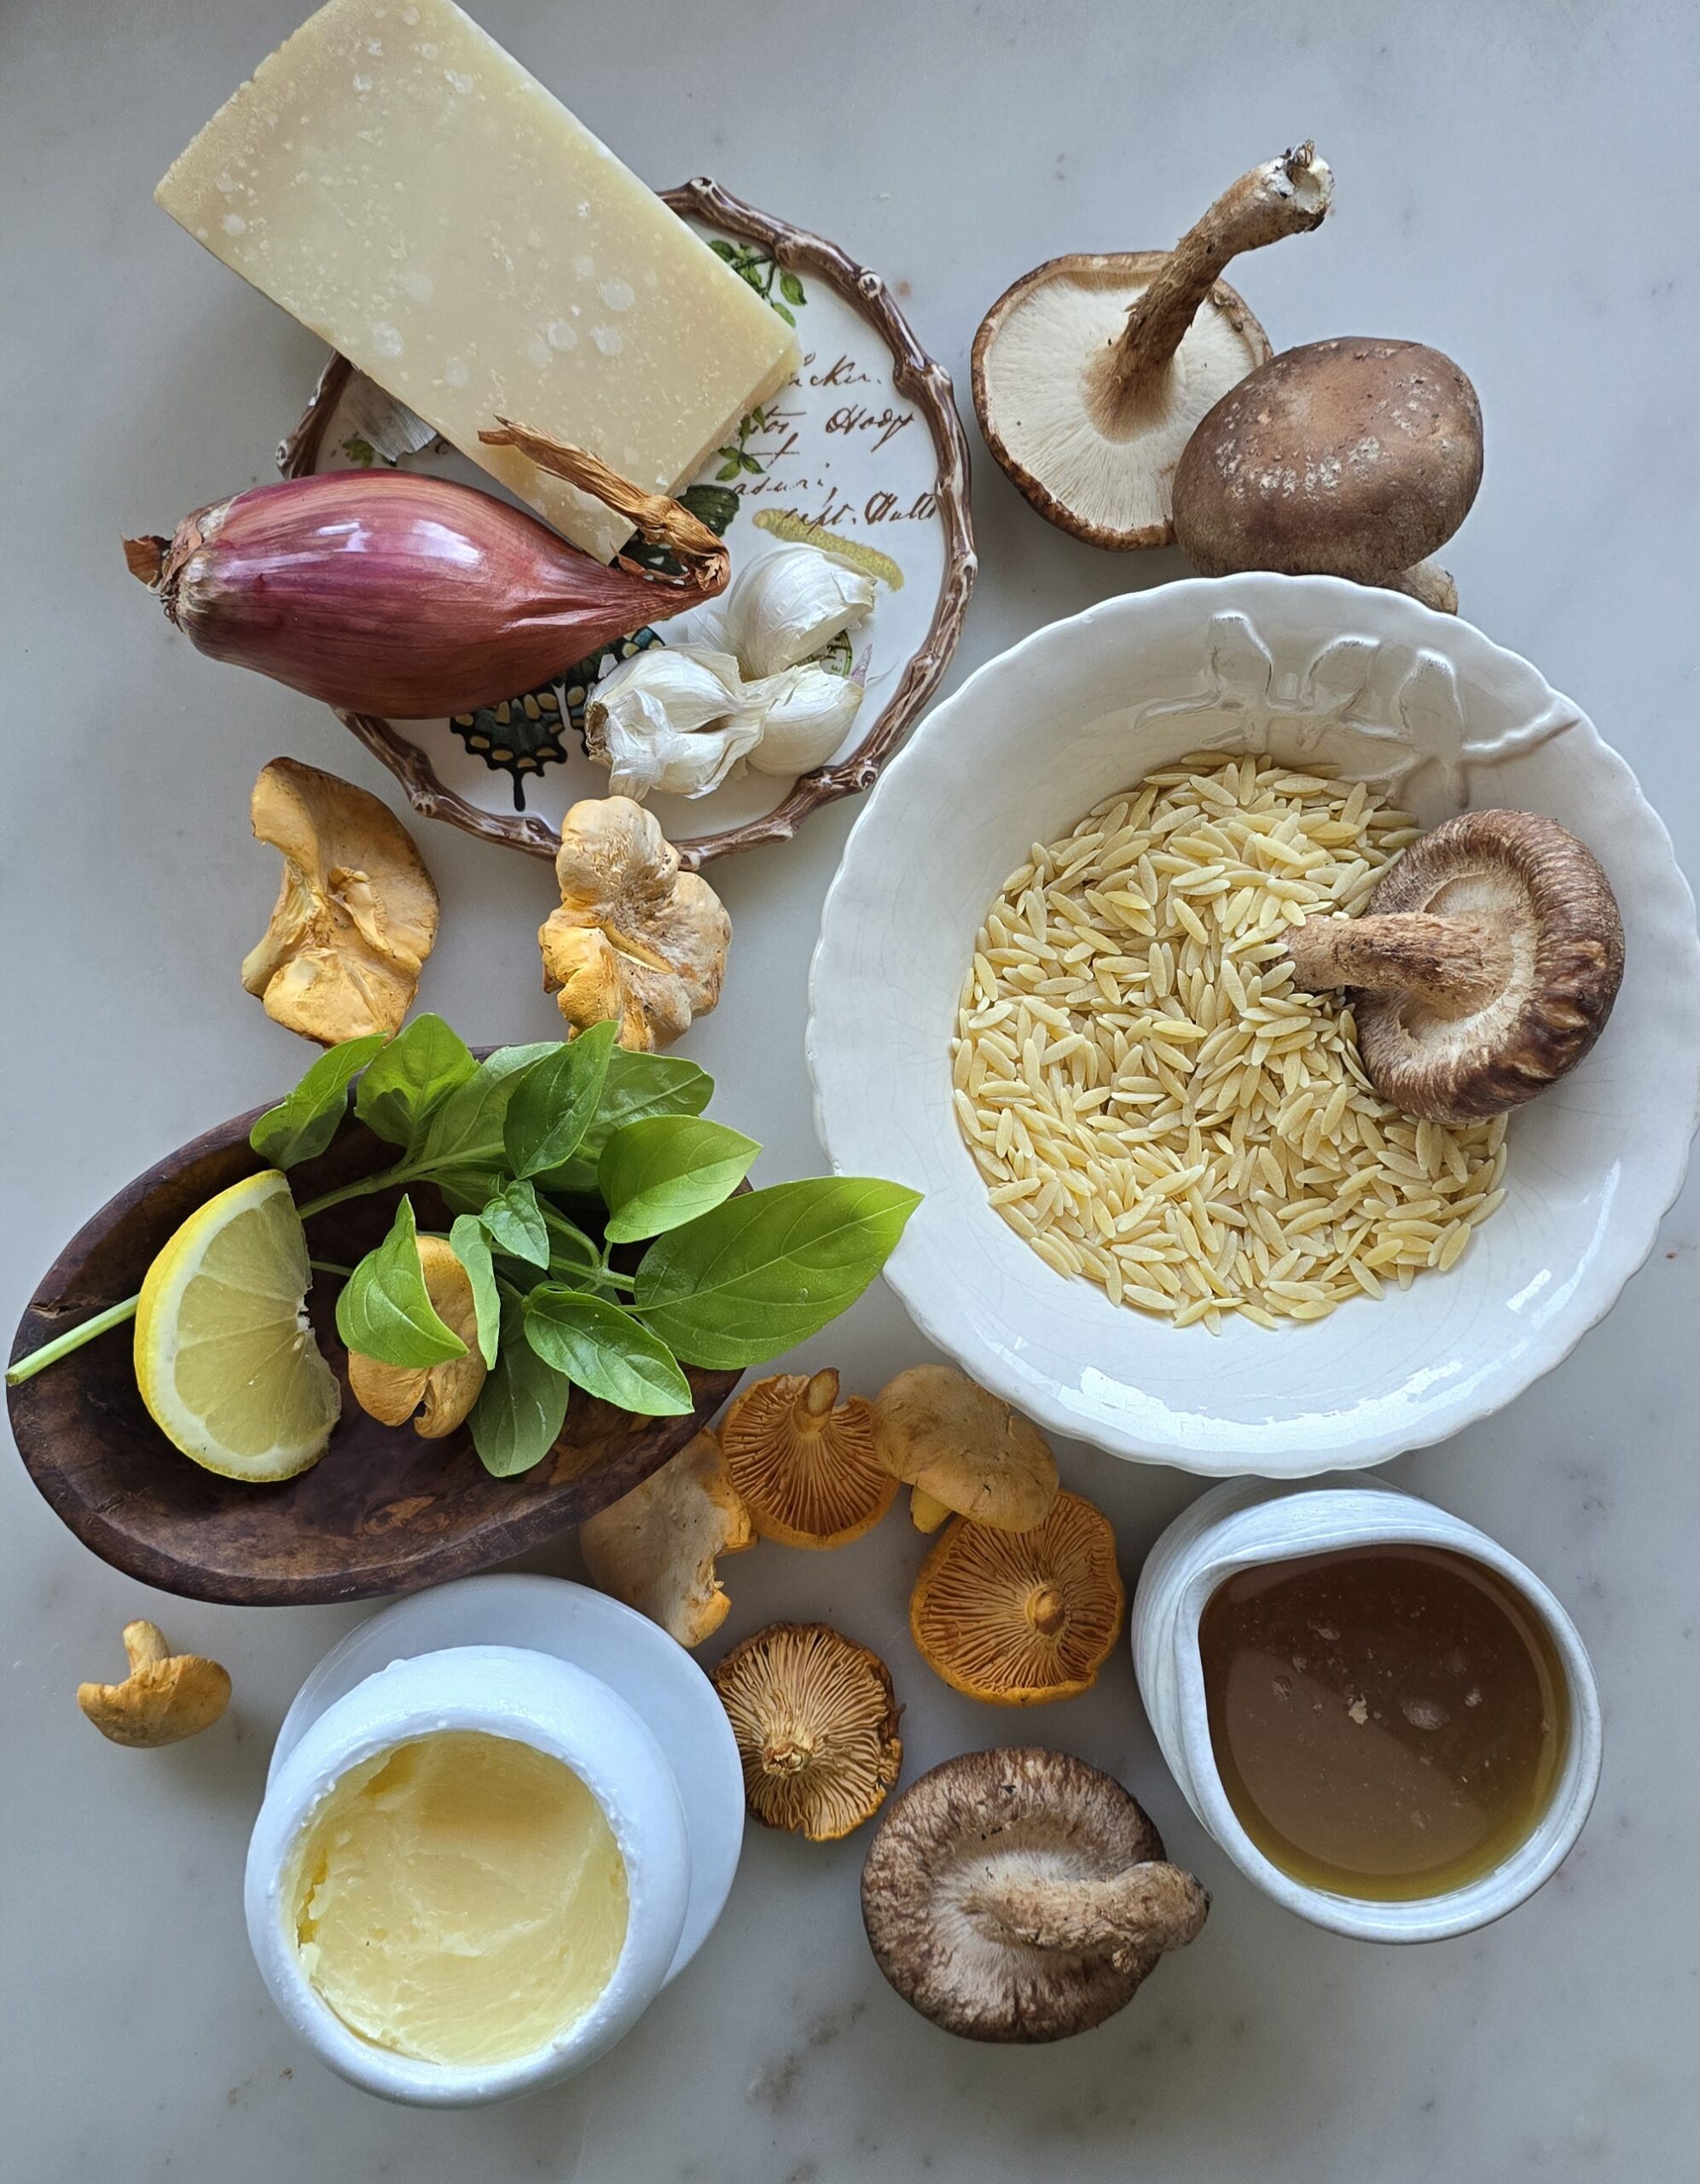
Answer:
(1306, 669)
(863, 453)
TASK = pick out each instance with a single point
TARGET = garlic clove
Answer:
(675, 720)
(790, 605)
(808, 713)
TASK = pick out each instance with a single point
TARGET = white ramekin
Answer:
(1247, 1522)
(505, 1692)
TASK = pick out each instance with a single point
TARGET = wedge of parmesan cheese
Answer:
(400, 184)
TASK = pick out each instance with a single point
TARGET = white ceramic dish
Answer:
(1238, 1526)
(634, 1657)
(1306, 668)
(556, 1665)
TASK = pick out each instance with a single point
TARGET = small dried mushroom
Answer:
(357, 915)
(962, 1450)
(1090, 372)
(656, 1548)
(1483, 967)
(1022, 1896)
(1350, 458)
(443, 1395)
(635, 939)
(816, 1721)
(1017, 1619)
(166, 1697)
(805, 1463)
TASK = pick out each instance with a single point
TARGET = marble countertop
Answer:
(1514, 184)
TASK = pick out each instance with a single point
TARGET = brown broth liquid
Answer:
(1388, 1722)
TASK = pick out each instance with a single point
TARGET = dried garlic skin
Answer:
(356, 916)
(393, 1393)
(635, 940)
(655, 1548)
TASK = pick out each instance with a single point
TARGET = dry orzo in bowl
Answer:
(1153, 1105)
(1317, 681)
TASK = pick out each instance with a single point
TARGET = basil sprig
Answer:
(726, 1280)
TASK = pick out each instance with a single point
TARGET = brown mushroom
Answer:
(962, 1450)
(815, 1720)
(357, 915)
(1017, 1619)
(656, 1548)
(1022, 1896)
(634, 940)
(804, 1462)
(1090, 372)
(1483, 967)
(442, 1394)
(1351, 458)
(166, 1697)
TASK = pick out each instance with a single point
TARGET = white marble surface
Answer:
(1515, 183)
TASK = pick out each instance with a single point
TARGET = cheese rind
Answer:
(399, 183)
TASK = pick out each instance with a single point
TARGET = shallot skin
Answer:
(394, 593)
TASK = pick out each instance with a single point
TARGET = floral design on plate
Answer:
(862, 454)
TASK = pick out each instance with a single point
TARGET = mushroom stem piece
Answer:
(1483, 968)
(1129, 1919)
(166, 1697)
(1022, 1896)
(1287, 196)
(1453, 965)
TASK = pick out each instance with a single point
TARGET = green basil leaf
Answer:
(461, 1148)
(514, 1223)
(303, 1123)
(661, 1173)
(554, 1102)
(636, 1086)
(765, 1270)
(384, 1310)
(605, 1351)
(416, 1071)
(522, 1406)
(469, 1244)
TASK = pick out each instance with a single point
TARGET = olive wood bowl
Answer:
(382, 1512)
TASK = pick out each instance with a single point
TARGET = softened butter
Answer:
(459, 1899)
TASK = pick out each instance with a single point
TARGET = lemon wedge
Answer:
(225, 1358)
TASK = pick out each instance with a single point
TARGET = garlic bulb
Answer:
(677, 720)
(808, 710)
(788, 606)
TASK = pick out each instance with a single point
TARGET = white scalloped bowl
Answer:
(1305, 668)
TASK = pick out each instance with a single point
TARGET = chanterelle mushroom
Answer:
(636, 938)
(1348, 458)
(656, 1548)
(816, 1719)
(1020, 1618)
(1091, 372)
(1022, 1896)
(357, 915)
(1484, 965)
(963, 1450)
(804, 1462)
(393, 1393)
(166, 1697)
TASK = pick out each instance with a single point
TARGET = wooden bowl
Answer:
(382, 1512)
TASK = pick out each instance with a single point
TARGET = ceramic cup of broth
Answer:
(1388, 1723)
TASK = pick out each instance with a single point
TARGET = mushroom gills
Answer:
(1483, 968)
(1022, 1896)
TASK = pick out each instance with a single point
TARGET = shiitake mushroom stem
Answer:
(1454, 965)
(1128, 1919)
(1285, 196)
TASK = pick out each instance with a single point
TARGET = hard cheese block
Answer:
(400, 184)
